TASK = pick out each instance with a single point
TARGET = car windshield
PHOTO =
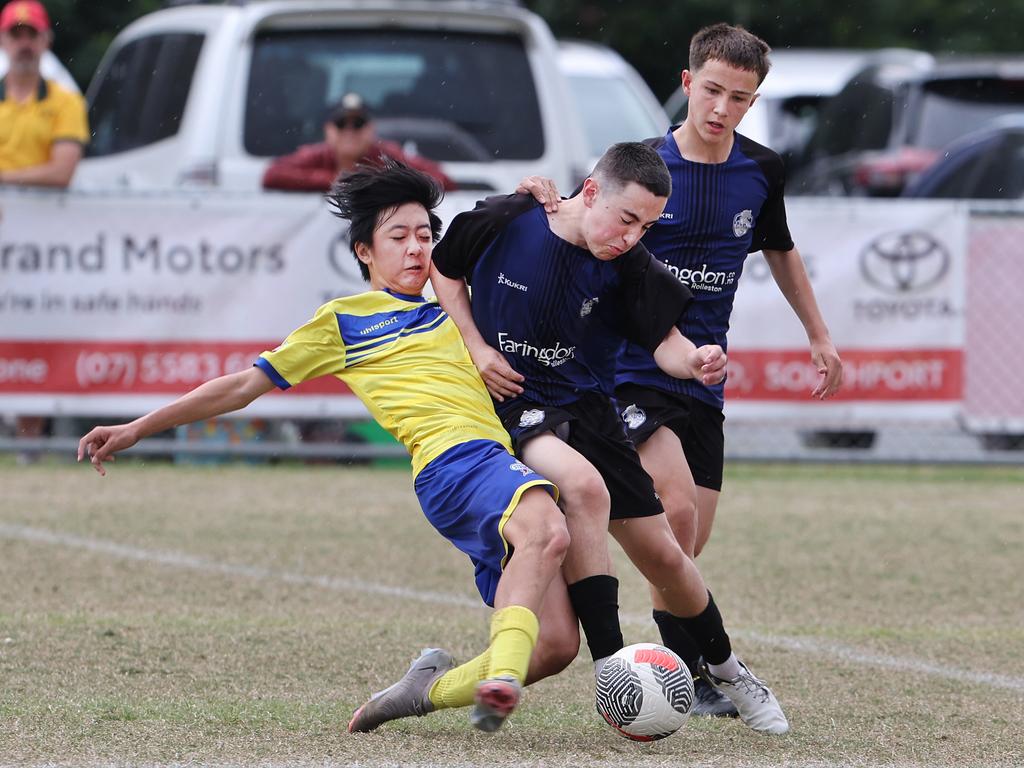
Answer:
(451, 96)
(953, 107)
(611, 112)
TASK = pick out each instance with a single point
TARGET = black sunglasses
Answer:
(356, 122)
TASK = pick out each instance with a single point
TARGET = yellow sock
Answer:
(513, 634)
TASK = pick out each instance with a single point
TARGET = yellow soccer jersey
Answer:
(404, 358)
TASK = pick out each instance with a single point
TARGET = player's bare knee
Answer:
(557, 538)
(538, 524)
(682, 519)
(586, 496)
(550, 539)
(680, 507)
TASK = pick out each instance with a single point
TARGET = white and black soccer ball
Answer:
(645, 692)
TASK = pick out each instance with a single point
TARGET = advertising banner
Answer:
(114, 304)
(889, 277)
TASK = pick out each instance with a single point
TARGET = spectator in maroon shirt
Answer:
(350, 138)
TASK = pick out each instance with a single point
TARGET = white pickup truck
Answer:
(204, 94)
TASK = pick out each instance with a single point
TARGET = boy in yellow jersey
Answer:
(406, 361)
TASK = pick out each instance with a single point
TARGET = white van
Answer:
(613, 101)
(204, 95)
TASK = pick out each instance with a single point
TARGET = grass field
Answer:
(168, 615)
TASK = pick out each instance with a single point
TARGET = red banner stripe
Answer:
(875, 375)
(97, 367)
(101, 367)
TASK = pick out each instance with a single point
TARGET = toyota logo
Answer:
(901, 262)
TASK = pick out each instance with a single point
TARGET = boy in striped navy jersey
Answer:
(726, 202)
(404, 358)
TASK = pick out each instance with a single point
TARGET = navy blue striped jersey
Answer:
(715, 216)
(557, 313)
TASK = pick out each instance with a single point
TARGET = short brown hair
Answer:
(734, 46)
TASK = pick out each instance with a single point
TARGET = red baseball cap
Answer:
(28, 13)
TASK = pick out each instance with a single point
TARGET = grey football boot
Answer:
(406, 698)
(754, 700)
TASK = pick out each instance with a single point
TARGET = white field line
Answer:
(190, 562)
(650, 761)
(193, 563)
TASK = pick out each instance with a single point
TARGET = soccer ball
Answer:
(645, 692)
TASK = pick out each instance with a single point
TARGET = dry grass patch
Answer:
(227, 630)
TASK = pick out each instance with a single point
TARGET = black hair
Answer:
(368, 195)
(734, 46)
(633, 161)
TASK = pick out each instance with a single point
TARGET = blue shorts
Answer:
(468, 494)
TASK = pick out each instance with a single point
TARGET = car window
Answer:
(794, 121)
(956, 177)
(472, 96)
(611, 112)
(859, 117)
(141, 92)
(951, 108)
(1002, 176)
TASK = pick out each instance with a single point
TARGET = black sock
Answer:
(708, 633)
(596, 602)
(676, 638)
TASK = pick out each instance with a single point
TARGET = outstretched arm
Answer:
(678, 356)
(217, 396)
(499, 377)
(790, 275)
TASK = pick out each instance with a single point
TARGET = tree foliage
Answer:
(654, 36)
(84, 28)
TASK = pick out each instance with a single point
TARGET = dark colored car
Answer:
(890, 121)
(984, 165)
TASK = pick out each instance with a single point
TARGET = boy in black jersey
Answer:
(554, 296)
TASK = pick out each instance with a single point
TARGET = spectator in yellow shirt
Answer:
(43, 127)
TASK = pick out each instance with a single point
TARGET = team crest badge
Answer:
(634, 417)
(531, 418)
(588, 306)
(742, 222)
(520, 467)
